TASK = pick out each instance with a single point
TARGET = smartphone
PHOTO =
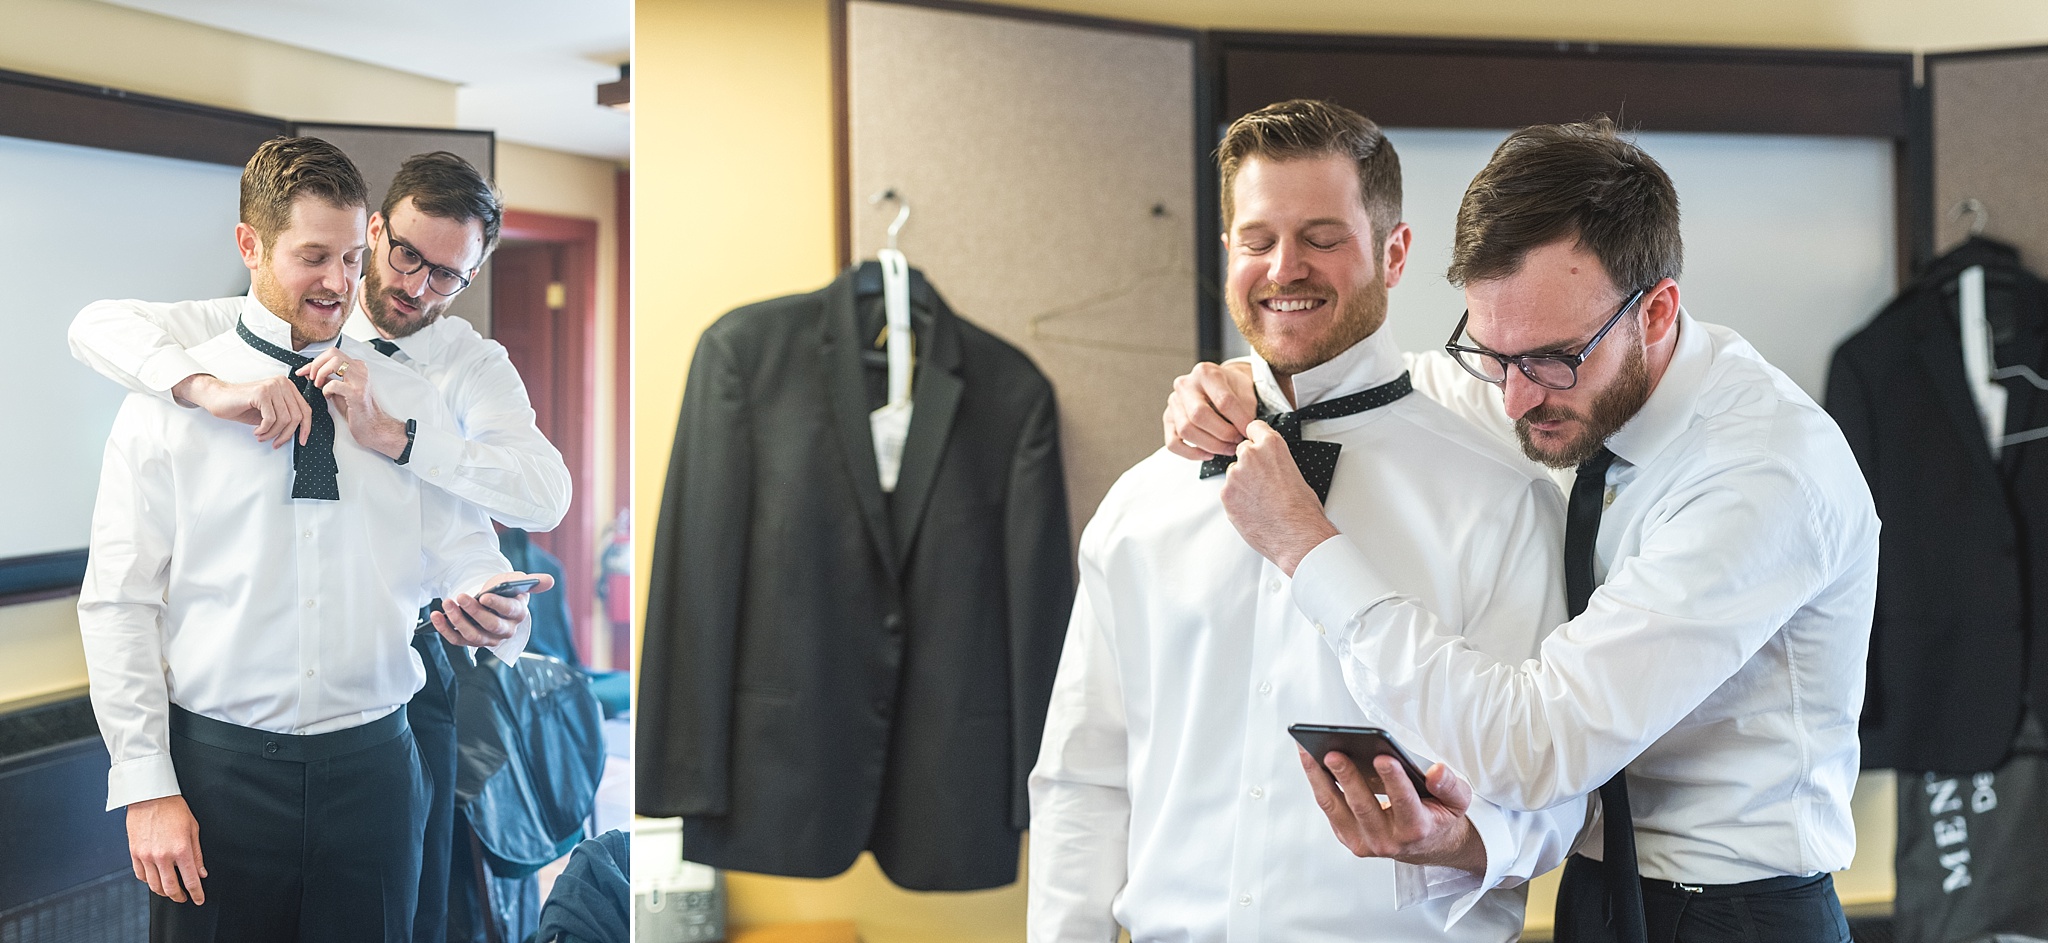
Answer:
(1361, 744)
(513, 587)
(507, 588)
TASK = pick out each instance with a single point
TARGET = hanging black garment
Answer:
(827, 668)
(1959, 645)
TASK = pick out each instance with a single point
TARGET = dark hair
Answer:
(284, 169)
(1570, 181)
(445, 186)
(1305, 128)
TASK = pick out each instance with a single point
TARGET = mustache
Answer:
(1549, 413)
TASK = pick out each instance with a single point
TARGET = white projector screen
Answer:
(83, 224)
(1788, 240)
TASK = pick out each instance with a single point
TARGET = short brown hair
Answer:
(1305, 128)
(445, 186)
(284, 169)
(1576, 181)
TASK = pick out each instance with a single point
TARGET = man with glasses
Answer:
(438, 222)
(1720, 557)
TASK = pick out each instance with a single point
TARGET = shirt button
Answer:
(1244, 900)
(309, 604)
(1265, 687)
(1273, 586)
(1258, 793)
(433, 473)
(1319, 629)
(309, 535)
(309, 672)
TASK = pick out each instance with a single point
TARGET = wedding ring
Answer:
(341, 371)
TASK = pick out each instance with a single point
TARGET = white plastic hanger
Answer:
(891, 423)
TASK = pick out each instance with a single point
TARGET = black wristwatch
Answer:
(412, 426)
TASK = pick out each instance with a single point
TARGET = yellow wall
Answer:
(100, 44)
(1885, 25)
(733, 111)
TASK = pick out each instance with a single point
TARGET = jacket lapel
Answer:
(935, 397)
(1941, 350)
(847, 389)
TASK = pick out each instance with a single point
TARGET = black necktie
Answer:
(1317, 460)
(384, 347)
(313, 468)
(1617, 826)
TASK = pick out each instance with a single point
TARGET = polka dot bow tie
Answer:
(1318, 460)
(313, 468)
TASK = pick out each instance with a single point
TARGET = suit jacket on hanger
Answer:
(828, 668)
(1960, 643)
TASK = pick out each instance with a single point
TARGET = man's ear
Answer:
(1394, 255)
(250, 244)
(1660, 313)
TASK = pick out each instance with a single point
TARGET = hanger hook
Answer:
(1973, 208)
(902, 214)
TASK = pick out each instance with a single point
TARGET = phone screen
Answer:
(1361, 744)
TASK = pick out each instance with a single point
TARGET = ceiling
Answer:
(527, 69)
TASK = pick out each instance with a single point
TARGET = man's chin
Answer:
(1553, 449)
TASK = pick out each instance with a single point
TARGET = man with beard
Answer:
(1166, 797)
(1720, 552)
(438, 223)
(247, 614)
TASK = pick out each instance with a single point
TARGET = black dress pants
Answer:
(431, 713)
(314, 839)
(1774, 910)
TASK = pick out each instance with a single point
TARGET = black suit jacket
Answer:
(828, 668)
(1957, 649)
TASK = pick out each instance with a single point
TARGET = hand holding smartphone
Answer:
(1361, 745)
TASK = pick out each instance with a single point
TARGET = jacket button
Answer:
(894, 623)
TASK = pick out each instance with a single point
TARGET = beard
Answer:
(1355, 319)
(291, 308)
(1611, 409)
(385, 315)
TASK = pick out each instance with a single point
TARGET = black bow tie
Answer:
(313, 468)
(1318, 460)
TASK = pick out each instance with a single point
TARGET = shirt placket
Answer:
(1270, 623)
(313, 520)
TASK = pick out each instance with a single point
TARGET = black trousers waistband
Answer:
(296, 748)
(1776, 885)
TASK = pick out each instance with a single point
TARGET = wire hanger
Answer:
(1038, 323)
(1979, 356)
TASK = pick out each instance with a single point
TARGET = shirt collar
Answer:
(359, 327)
(1366, 364)
(268, 326)
(1669, 409)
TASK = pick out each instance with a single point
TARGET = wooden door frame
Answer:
(577, 535)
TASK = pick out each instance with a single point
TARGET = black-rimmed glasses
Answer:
(1552, 371)
(406, 260)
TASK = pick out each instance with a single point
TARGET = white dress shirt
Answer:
(1168, 796)
(210, 587)
(1721, 659)
(492, 455)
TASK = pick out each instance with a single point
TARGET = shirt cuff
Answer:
(139, 779)
(166, 367)
(1334, 586)
(435, 453)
